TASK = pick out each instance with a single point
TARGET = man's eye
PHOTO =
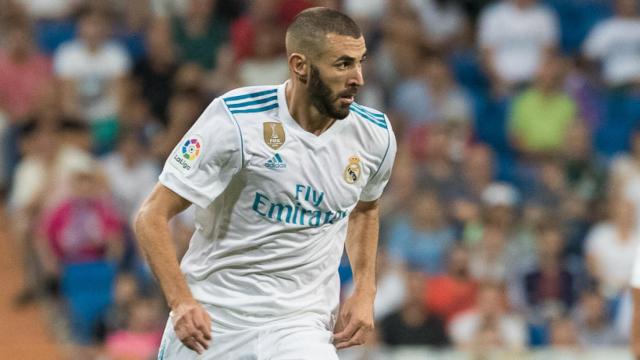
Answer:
(341, 66)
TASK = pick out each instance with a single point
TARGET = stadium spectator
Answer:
(610, 249)
(423, 238)
(199, 33)
(260, 15)
(443, 23)
(454, 292)
(593, 323)
(25, 72)
(433, 96)
(493, 238)
(130, 173)
(431, 148)
(563, 334)
(141, 337)
(584, 169)
(542, 115)
(549, 286)
(92, 70)
(464, 197)
(489, 324)
(413, 324)
(624, 174)
(615, 43)
(267, 63)
(84, 227)
(515, 36)
(153, 75)
(125, 292)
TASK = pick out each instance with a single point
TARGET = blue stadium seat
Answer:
(622, 117)
(51, 34)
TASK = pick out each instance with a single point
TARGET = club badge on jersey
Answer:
(273, 133)
(352, 171)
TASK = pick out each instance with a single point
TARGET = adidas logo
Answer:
(275, 162)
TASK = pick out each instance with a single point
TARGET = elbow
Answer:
(140, 223)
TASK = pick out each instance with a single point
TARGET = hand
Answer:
(192, 325)
(355, 321)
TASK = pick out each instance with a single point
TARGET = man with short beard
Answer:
(277, 174)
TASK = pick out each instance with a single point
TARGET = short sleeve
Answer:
(119, 60)
(549, 27)
(203, 163)
(376, 183)
(488, 30)
(65, 61)
(596, 44)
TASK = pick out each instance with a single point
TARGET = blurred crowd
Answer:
(512, 216)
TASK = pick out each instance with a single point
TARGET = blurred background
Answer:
(510, 225)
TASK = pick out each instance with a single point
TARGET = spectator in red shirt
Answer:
(83, 228)
(455, 291)
(25, 73)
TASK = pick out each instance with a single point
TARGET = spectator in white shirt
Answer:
(92, 69)
(616, 44)
(489, 325)
(514, 37)
(610, 249)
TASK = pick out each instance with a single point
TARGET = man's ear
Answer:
(299, 66)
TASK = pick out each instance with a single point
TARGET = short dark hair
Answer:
(309, 28)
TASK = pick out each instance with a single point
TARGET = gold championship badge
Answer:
(352, 171)
(273, 134)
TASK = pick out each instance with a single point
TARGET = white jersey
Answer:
(273, 202)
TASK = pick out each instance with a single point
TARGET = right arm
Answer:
(191, 322)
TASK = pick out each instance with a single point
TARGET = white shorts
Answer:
(282, 341)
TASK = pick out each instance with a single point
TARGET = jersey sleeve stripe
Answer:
(249, 103)
(254, 110)
(375, 115)
(369, 118)
(252, 95)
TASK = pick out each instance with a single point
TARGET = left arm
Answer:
(355, 320)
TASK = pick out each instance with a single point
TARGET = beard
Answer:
(322, 97)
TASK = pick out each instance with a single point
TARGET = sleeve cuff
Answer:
(181, 188)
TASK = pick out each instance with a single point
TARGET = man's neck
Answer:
(303, 112)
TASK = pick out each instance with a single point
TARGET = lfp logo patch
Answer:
(186, 154)
(191, 149)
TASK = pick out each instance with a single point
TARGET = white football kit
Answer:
(273, 202)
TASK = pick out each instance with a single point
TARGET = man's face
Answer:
(336, 75)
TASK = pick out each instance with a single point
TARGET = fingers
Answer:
(193, 329)
(357, 339)
(354, 333)
(346, 333)
(204, 325)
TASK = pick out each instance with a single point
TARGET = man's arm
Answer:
(191, 322)
(635, 323)
(356, 314)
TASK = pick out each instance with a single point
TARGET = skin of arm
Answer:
(635, 325)
(355, 320)
(191, 322)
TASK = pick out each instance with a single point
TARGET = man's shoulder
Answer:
(370, 117)
(251, 99)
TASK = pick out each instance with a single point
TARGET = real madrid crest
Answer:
(352, 171)
(273, 134)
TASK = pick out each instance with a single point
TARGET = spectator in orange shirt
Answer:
(455, 291)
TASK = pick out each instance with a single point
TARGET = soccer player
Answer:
(277, 174)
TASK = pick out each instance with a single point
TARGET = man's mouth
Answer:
(348, 98)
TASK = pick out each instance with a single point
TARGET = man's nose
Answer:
(357, 78)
